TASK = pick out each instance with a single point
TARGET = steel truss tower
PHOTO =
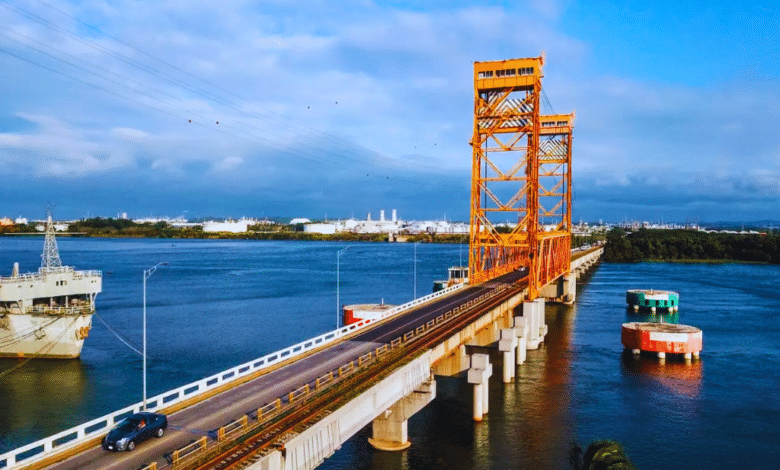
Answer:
(50, 258)
(504, 173)
(555, 136)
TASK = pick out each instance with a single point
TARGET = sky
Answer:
(336, 109)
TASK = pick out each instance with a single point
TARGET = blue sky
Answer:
(341, 108)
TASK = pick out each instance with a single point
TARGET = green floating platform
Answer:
(653, 299)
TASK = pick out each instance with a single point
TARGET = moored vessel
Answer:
(457, 275)
(47, 313)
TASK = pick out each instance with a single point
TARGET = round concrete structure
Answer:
(653, 299)
(662, 338)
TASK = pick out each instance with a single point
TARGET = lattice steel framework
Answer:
(504, 174)
(555, 136)
(50, 258)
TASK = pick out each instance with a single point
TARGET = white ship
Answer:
(47, 313)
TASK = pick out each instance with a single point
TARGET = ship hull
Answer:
(43, 336)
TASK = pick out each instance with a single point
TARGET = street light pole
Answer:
(147, 273)
(415, 268)
(338, 281)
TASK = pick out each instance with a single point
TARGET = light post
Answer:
(338, 277)
(147, 273)
(415, 268)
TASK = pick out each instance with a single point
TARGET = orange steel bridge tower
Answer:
(555, 136)
(504, 178)
(511, 152)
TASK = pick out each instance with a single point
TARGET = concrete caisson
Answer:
(662, 339)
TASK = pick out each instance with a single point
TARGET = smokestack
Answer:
(369, 217)
(382, 215)
(395, 216)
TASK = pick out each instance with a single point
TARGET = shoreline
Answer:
(264, 236)
(692, 261)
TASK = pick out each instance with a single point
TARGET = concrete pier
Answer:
(521, 331)
(662, 339)
(507, 345)
(478, 375)
(533, 313)
(390, 428)
(562, 290)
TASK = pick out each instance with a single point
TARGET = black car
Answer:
(134, 429)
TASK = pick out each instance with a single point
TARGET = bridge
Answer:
(293, 408)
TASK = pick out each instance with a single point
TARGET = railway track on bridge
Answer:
(271, 434)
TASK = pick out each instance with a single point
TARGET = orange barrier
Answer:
(188, 450)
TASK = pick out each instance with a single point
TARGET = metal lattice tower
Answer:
(50, 258)
(555, 137)
(504, 175)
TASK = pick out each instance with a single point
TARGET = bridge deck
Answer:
(202, 419)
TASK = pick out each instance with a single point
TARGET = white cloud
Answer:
(228, 164)
(128, 133)
(272, 74)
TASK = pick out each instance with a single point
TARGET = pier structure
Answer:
(662, 339)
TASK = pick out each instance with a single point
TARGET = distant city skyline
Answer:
(21, 218)
(305, 109)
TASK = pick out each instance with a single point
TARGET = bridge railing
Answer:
(98, 427)
(283, 403)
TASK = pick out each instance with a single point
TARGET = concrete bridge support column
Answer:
(507, 344)
(531, 321)
(481, 369)
(542, 322)
(564, 289)
(521, 331)
(533, 313)
(390, 429)
(569, 288)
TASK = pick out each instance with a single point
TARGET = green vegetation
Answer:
(100, 227)
(604, 454)
(592, 239)
(17, 228)
(690, 245)
(120, 228)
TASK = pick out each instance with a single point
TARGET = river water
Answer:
(220, 303)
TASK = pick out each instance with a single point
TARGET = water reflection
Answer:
(674, 375)
(57, 386)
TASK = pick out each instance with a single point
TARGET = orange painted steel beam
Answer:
(554, 196)
(504, 173)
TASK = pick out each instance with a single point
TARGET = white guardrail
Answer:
(74, 436)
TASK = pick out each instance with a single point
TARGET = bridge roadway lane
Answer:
(205, 417)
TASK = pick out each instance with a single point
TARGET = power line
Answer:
(251, 139)
(174, 81)
(237, 125)
(546, 103)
